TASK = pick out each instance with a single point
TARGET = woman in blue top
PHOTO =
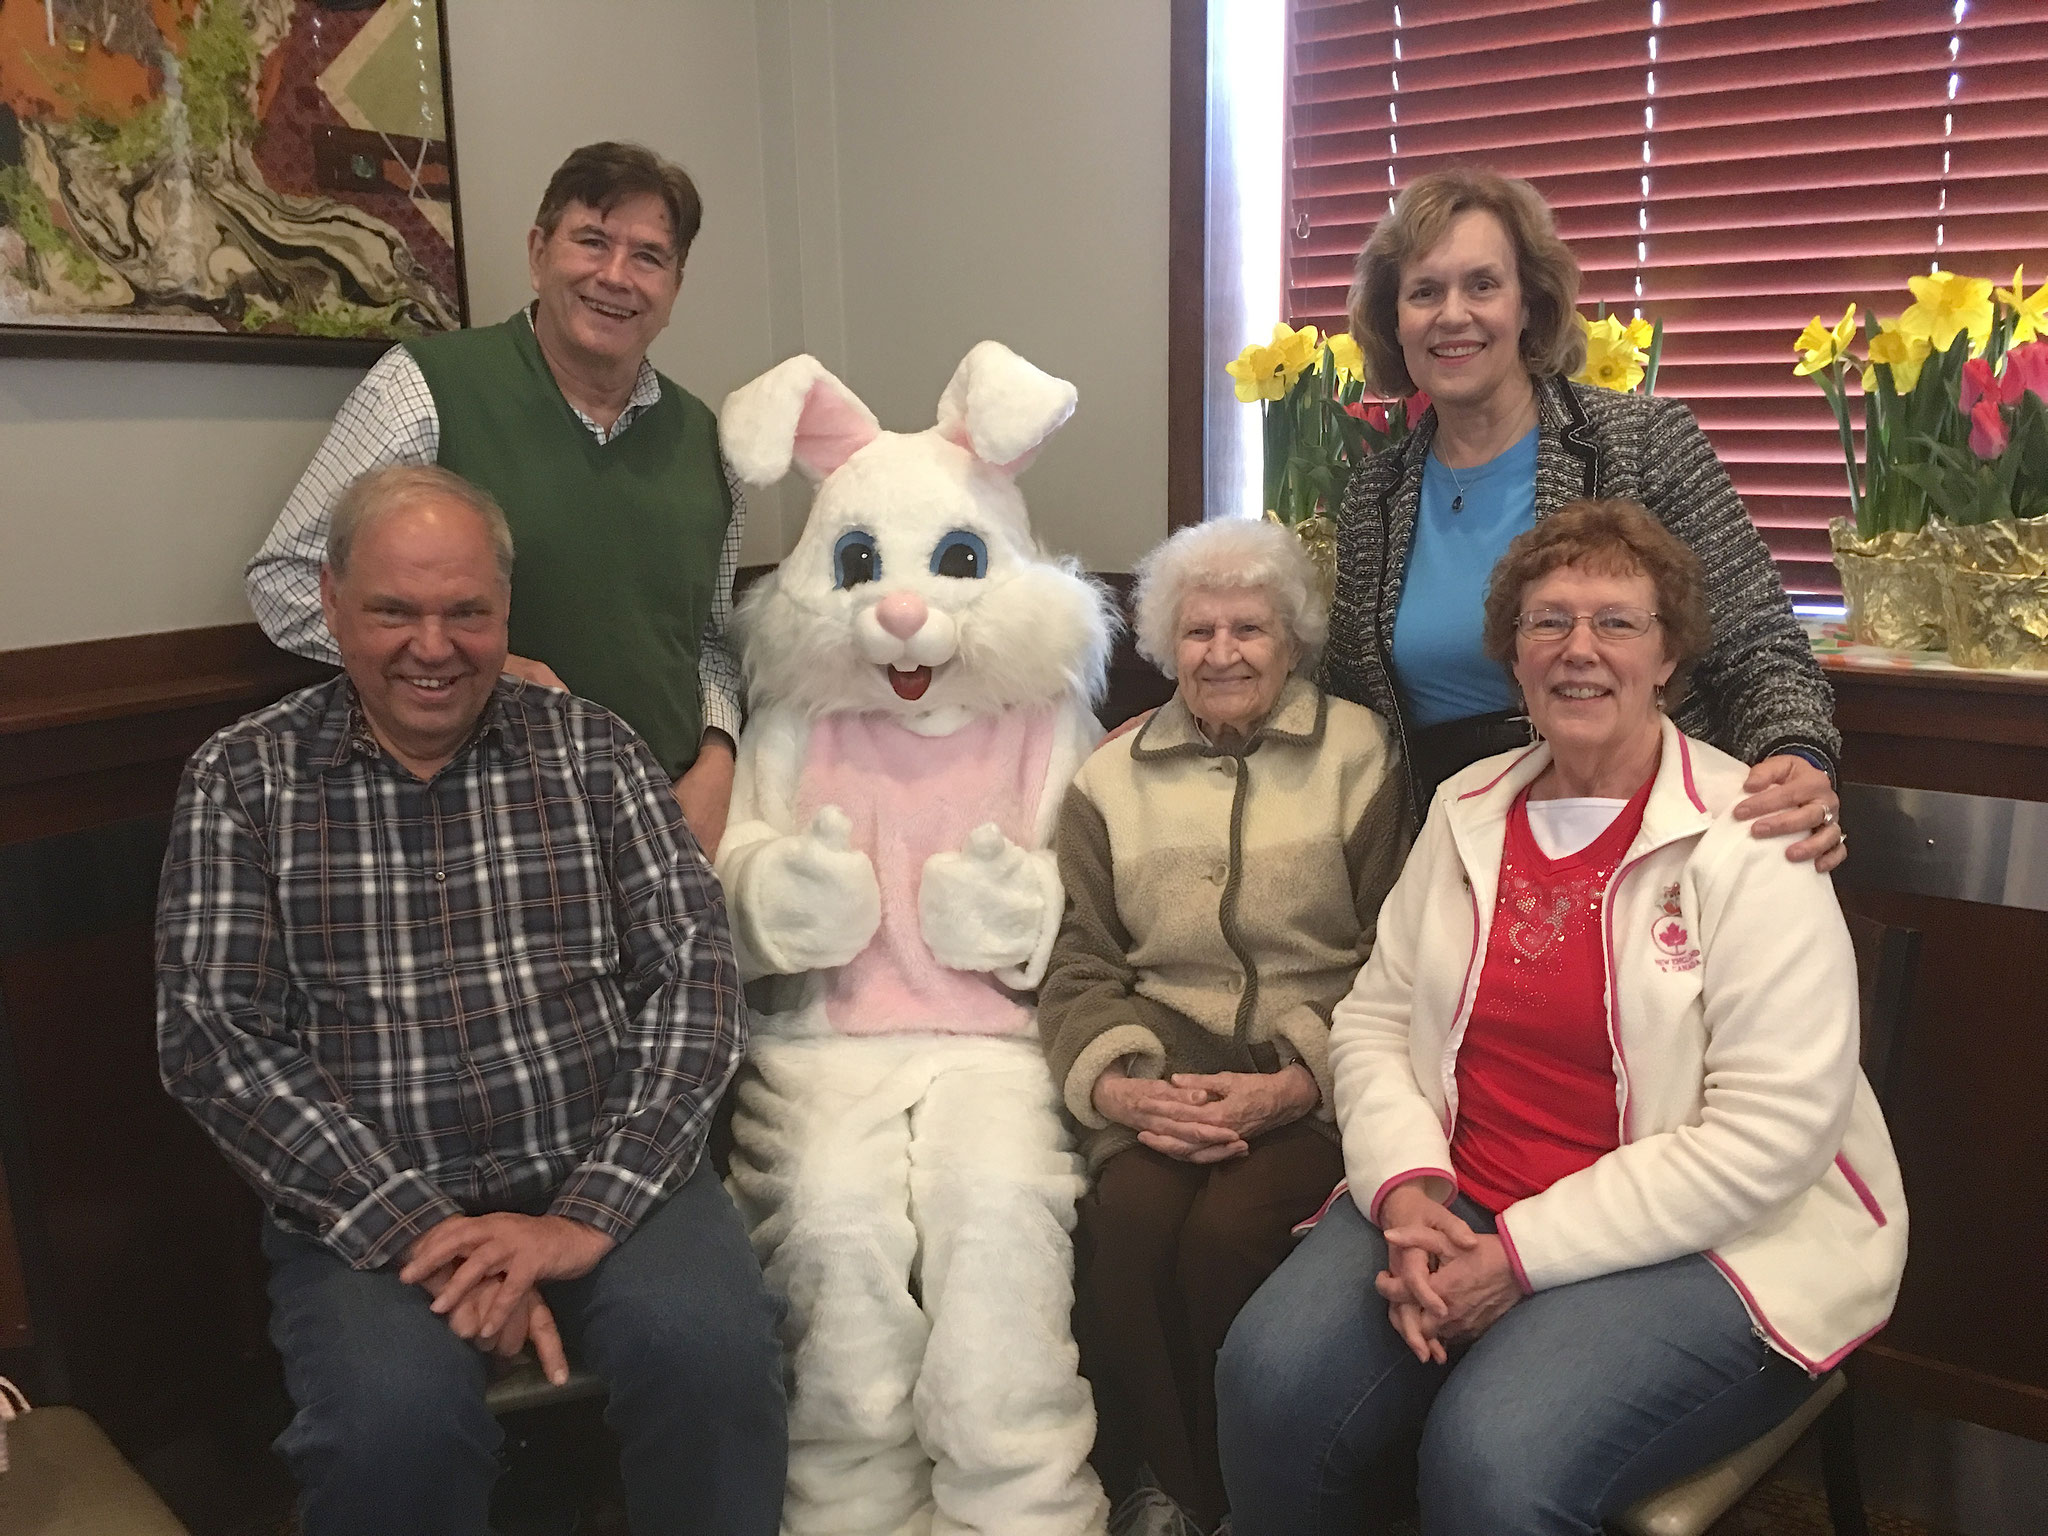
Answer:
(1466, 293)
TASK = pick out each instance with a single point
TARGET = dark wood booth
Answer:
(1945, 797)
(131, 1255)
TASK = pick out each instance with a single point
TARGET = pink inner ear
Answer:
(834, 427)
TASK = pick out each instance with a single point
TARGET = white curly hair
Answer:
(1231, 552)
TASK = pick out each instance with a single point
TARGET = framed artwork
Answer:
(254, 180)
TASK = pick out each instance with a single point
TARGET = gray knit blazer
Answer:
(1756, 692)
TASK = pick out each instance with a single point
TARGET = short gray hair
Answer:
(379, 491)
(1232, 552)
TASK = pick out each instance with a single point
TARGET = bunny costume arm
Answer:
(800, 898)
(993, 906)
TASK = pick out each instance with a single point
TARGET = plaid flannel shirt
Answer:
(390, 1002)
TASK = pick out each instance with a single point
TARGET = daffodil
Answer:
(1945, 303)
(1268, 372)
(1298, 350)
(1257, 374)
(2030, 314)
(1613, 361)
(1900, 352)
(1640, 334)
(1346, 358)
(1820, 345)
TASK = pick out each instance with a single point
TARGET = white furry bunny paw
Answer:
(810, 899)
(991, 907)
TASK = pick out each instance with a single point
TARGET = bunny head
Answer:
(916, 588)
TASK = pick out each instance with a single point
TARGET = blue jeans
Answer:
(1575, 1404)
(392, 1435)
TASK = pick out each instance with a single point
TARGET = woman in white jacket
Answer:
(1617, 1189)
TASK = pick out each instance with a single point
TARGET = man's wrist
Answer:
(587, 1244)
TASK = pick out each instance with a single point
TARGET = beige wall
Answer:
(887, 181)
(997, 169)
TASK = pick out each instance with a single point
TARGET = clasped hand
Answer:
(1444, 1283)
(482, 1273)
(1205, 1117)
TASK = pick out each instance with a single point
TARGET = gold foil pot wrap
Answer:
(1892, 585)
(1318, 536)
(1996, 581)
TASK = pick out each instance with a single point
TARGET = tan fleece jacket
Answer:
(1219, 900)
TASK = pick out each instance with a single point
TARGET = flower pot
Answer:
(1995, 579)
(1892, 585)
(1318, 536)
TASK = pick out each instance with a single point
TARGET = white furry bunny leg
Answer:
(1001, 1404)
(820, 1171)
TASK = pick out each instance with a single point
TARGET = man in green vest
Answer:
(627, 523)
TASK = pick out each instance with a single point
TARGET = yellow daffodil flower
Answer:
(1640, 334)
(1298, 351)
(1820, 344)
(1901, 352)
(1256, 373)
(2030, 315)
(1612, 360)
(1945, 303)
(1349, 361)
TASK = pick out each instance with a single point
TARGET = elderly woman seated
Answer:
(1223, 865)
(1617, 1188)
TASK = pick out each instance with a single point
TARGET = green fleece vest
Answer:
(618, 542)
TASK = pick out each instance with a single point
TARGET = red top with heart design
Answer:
(1536, 1086)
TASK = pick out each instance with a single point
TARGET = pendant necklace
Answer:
(1457, 501)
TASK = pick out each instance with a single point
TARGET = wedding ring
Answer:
(1828, 817)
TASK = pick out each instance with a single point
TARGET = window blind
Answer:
(1733, 167)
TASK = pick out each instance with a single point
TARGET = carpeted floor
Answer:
(1783, 1508)
(1780, 1508)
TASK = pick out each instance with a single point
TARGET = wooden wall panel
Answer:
(15, 1332)
(155, 1275)
(1972, 1139)
(1968, 1339)
(147, 1280)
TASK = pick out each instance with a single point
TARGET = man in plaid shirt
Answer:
(443, 973)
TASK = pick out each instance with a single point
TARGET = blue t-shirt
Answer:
(1439, 665)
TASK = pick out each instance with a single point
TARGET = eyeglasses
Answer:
(1614, 622)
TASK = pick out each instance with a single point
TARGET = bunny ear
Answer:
(795, 411)
(1000, 408)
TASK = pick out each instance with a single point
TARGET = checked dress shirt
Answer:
(389, 1002)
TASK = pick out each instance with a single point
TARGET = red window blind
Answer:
(1733, 167)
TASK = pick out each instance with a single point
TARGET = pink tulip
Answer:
(1977, 383)
(2026, 371)
(1418, 404)
(1988, 432)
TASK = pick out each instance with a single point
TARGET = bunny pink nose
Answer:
(902, 614)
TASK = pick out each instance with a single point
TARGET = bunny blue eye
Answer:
(962, 554)
(855, 559)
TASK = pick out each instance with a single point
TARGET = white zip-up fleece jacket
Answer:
(1747, 1130)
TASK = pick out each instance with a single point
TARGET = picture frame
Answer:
(231, 184)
